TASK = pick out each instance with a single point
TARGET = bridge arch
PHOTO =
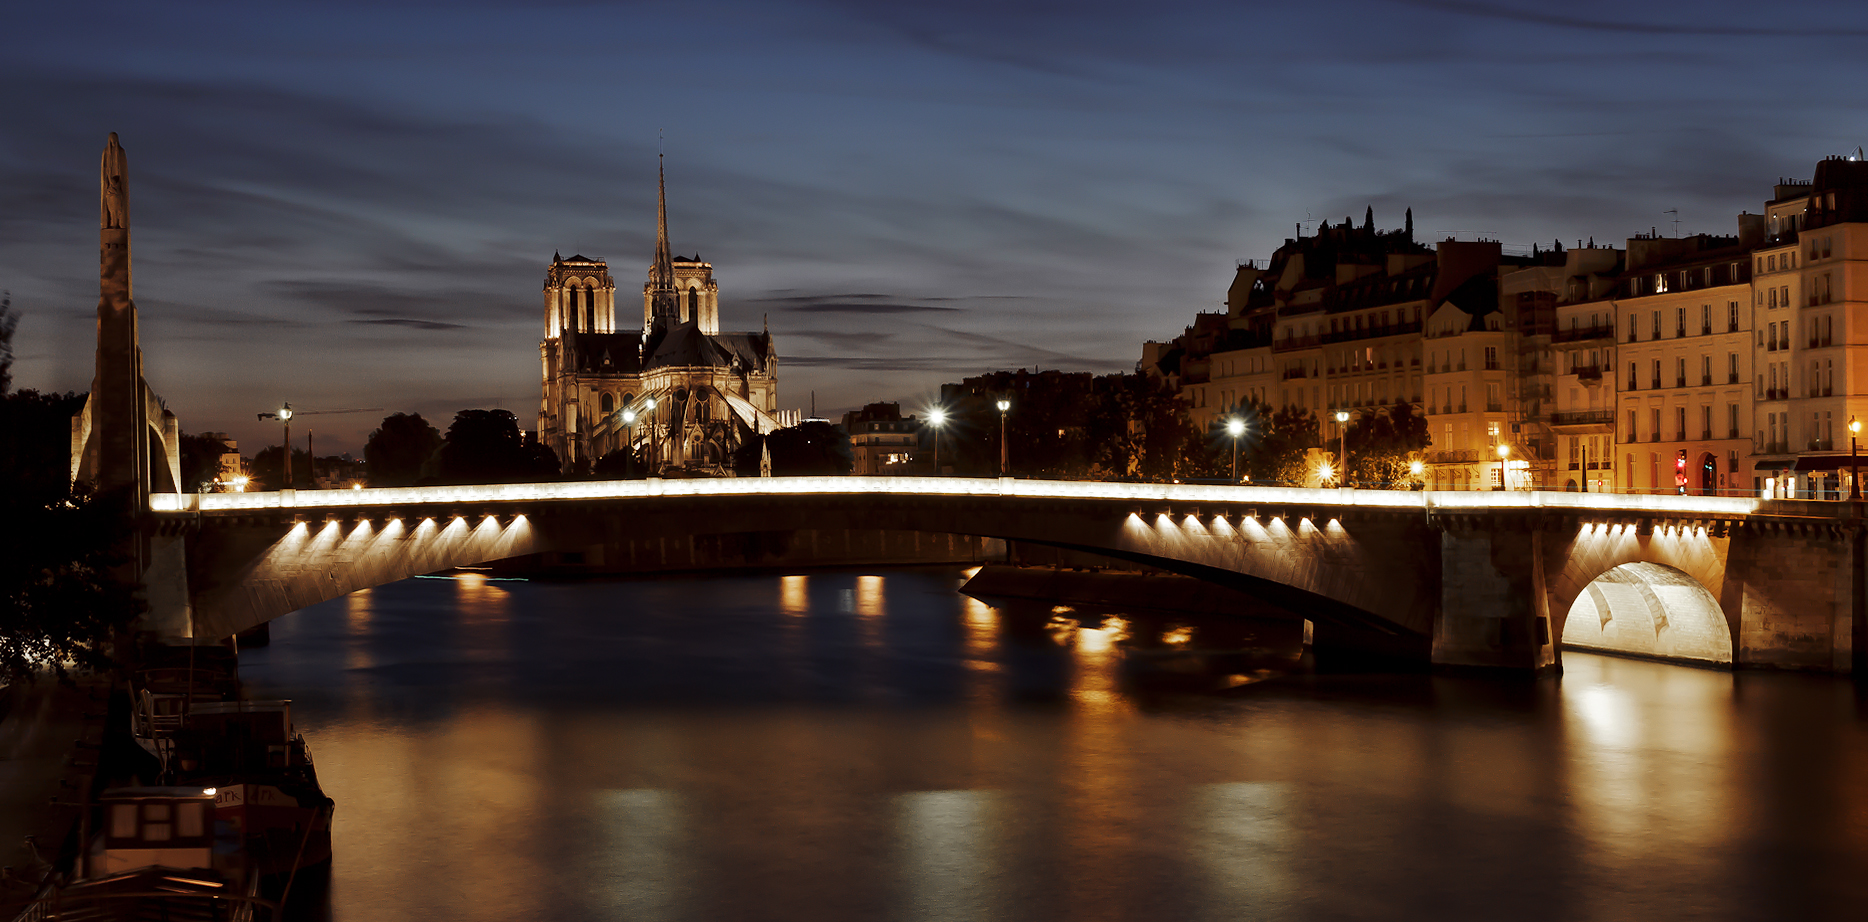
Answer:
(1658, 594)
(1649, 609)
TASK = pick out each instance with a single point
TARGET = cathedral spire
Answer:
(664, 300)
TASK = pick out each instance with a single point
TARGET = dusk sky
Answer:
(353, 205)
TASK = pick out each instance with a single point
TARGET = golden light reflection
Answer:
(1179, 635)
(1651, 761)
(359, 611)
(794, 595)
(869, 597)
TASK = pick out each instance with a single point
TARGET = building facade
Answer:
(675, 394)
(1703, 364)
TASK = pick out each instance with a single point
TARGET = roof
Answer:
(605, 353)
(686, 345)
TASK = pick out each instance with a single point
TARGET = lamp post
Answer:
(1855, 485)
(1235, 427)
(284, 415)
(629, 441)
(1504, 452)
(1416, 469)
(648, 407)
(936, 417)
(1004, 453)
(1342, 425)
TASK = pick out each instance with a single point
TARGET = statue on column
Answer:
(113, 201)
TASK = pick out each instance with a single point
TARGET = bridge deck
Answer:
(520, 495)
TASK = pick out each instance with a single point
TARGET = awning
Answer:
(1807, 463)
(1825, 462)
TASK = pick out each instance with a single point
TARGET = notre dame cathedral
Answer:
(679, 395)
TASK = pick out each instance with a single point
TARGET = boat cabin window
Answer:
(159, 822)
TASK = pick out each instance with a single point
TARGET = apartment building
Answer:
(1684, 360)
(1812, 280)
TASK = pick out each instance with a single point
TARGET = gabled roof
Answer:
(605, 353)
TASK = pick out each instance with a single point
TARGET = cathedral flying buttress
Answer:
(674, 396)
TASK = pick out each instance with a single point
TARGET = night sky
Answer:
(353, 205)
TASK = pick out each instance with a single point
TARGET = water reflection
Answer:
(864, 746)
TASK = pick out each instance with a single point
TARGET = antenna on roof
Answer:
(1676, 220)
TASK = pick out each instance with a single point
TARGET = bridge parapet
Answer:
(1143, 495)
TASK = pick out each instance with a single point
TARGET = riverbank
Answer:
(51, 740)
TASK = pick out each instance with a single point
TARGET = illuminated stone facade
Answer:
(675, 392)
(1703, 364)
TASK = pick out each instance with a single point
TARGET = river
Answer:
(849, 745)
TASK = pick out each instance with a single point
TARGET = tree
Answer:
(60, 603)
(486, 446)
(1275, 442)
(814, 447)
(268, 468)
(1380, 443)
(8, 323)
(398, 448)
(201, 460)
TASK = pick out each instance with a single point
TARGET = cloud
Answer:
(853, 304)
(1693, 24)
(415, 324)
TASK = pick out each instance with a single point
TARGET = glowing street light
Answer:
(1416, 469)
(1235, 427)
(1342, 424)
(1004, 453)
(936, 418)
(1855, 486)
(1504, 453)
(284, 415)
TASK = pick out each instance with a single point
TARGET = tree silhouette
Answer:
(486, 446)
(398, 448)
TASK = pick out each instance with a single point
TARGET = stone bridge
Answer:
(1501, 580)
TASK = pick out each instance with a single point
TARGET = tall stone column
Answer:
(117, 454)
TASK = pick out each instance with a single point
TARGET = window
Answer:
(1771, 261)
(1679, 322)
(1731, 413)
(1633, 334)
(1656, 368)
(1773, 298)
(1656, 324)
(1731, 316)
(1491, 358)
(1705, 319)
(1654, 434)
(1679, 372)
(1631, 377)
(1731, 361)
(1705, 370)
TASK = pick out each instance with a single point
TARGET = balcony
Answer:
(1588, 373)
(1732, 378)
(1679, 381)
(1705, 329)
(1776, 393)
(1295, 372)
(1578, 334)
(1373, 332)
(1731, 433)
(1296, 342)
(1583, 418)
(1705, 380)
(1705, 435)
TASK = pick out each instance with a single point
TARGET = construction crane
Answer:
(284, 414)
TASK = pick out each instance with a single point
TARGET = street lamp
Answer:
(1855, 485)
(629, 440)
(1416, 469)
(648, 409)
(936, 417)
(1504, 452)
(1235, 427)
(1342, 425)
(284, 415)
(1004, 453)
